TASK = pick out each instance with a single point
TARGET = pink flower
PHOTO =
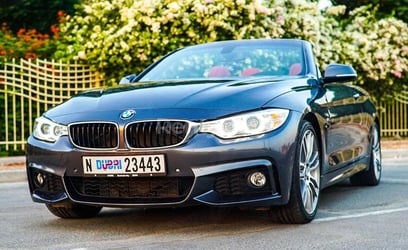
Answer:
(280, 19)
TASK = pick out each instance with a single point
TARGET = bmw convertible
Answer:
(246, 123)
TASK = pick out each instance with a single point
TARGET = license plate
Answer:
(138, 165)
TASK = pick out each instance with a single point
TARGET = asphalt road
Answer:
(348, 218)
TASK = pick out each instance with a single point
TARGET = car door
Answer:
(346, 134)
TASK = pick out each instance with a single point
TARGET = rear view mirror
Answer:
(127, 79)
(339, 73)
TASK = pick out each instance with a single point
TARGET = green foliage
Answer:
(385, 8)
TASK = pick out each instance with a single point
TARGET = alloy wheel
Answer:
(309, 172)
(376, 154)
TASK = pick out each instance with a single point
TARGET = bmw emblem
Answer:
(127, 114)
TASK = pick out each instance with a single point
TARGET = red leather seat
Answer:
(250, 71)
(295, 69)
(219, 71)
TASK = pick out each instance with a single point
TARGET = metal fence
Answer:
(28, 88)
(394, 116)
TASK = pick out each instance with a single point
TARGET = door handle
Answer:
(356, 96)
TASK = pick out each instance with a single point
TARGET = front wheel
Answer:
(73, 210)
(305, 188)
(372, 176)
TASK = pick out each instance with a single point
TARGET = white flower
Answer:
(124, 45)
(127, 58)
(174, 7)
(87, 9)
(156, 27)
(81, 55)
(97, 29)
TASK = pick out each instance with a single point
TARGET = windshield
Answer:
(229, 60)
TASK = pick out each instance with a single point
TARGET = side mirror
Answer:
(339, 73)
(127, 79)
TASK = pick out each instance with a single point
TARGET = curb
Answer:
(16, 171)
(12, 161)
(15, 175)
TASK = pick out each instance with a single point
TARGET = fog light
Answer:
(39, 179)
(257, 179)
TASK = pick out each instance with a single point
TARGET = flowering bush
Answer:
(123, 37)
(379, 52)
(28, 43)
(25, 44)
(304, 20)
(377, 49)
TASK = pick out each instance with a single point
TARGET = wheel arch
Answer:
(296, 210)
(310, 117)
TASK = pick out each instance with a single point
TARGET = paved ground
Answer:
(12, 169)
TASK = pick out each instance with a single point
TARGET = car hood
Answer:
(195, 100)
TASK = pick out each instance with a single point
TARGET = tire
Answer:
(305, 187)
(372, 176)
(73, 211)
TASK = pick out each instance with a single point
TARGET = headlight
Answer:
(48, 130)
(249, 124)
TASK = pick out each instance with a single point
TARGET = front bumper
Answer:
(205, 170)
